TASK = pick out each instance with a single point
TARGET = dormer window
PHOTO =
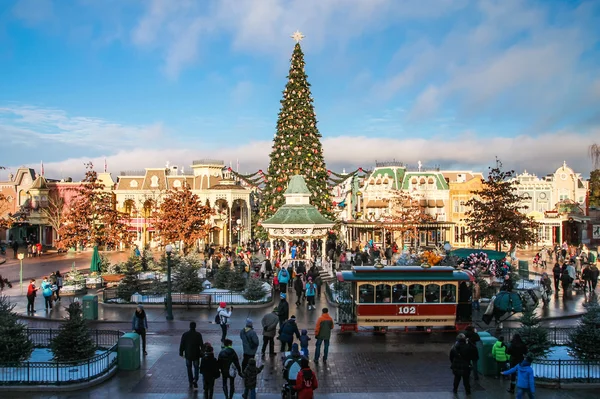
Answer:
(177, 184)
(133, 184)
(154, 181)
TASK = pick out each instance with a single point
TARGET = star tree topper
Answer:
(297, 36)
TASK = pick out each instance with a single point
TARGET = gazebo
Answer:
(298, 219)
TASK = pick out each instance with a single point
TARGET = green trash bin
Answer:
(90, 307)
(128, 351)
(486, 364)
(524, 268)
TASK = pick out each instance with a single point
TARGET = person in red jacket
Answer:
(306, 381)
(31, 294)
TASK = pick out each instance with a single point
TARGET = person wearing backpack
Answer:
(306, 381)
(222, 319)
(229, 363)
(284, 278)
(249, 342)
(311, 291)
(209, 368)
(47, 292)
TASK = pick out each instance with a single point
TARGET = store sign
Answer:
(372, 321)
(596, 232)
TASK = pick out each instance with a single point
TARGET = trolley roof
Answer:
(403, 273)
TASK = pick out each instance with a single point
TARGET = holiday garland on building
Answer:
(296, 147)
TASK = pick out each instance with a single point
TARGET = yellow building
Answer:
(462, 185)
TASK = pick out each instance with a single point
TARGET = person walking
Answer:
(299, 288)
(517, 351)
(59, 284)
(556, 272)
(31, 294)
(594, 274)
(284, 278)
(269, 325)
(283, 309)
(323, 330)
(306, 381)
(319, 284)
(47, 293)
(230, 365)
(287, 332)
(139, 324)
(500, 356)
(476, 296)
(249, 342)
(474, 339)
(209, 368)
(192, 347)
(304, 339)
(311, 291)
(223, 315)
(525, 378)
(461, 357)
(250, 374)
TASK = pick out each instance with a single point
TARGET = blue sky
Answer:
(447, 82)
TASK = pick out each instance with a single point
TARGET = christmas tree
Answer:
(533, 334)
(584, 341)
(15, 345)
(73, 341)
(255, 289)
(296, 146)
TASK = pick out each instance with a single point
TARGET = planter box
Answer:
(74, 289)
(94, 282)
(112, 280)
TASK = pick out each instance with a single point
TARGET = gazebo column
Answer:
(287, 249)
(308, 248)
(272, 242)
(323, 253)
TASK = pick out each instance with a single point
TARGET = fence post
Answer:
(554, 334)
(89, 376)
(57, 374)
(559, 370)
(28, 372)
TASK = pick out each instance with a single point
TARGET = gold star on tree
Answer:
(297, 36)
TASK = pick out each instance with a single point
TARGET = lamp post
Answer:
(169, 250)
(239, 230)
(20, 257)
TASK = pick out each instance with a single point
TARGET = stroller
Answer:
(291, 368)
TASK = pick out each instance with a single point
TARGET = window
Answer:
(366, 294)
(133, 184)
(148, 208)
(542, 208)
(128, 205)
(400, 293)
(432, 293)
(177, 183)
(455, 205)
(448, 293)
(383, 293)
(415, 293)
(563, 197)
(154, 181)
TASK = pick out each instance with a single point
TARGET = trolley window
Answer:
(432, 293)
(383, 293)
(416, 293)
(449, 293)
(400, 293)
(366, 293)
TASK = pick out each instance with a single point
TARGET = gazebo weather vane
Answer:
(297, 36)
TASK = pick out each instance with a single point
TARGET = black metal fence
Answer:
(557, 335)
(111, 295)
(63, 373)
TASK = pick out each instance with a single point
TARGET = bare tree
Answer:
(54, 211)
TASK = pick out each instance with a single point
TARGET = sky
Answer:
(450, 83)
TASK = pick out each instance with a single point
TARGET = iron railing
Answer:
(556, 335)
(112, 295)
(62, 373)
(567, 371)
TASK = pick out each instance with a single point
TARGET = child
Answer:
(500, 355)
(209, 368)
(250, 374)
(304, 338)
(306, 381)
(525, 378)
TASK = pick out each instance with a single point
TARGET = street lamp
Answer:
(239, 230)
(169, 250)
(20, 257)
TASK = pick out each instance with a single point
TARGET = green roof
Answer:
(440, 181)
(394, 173)
(297, 185)
(298, 214)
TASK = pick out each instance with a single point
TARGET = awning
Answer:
(439, 203)
(377, 204)
(422, 203)
(431, 203)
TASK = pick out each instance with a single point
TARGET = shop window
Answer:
(383, 293)
(400, 293)
(432, 293)
(366, 294)
(448, 293)
(415, 293)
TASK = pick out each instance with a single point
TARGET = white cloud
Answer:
(33, 12)
(541, 154)
(35, 125)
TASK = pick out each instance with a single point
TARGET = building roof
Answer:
(39, 183)
(298, 214)
(297, 185)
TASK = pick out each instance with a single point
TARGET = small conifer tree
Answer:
(533, 334)
(73, 341)
(255, 289)
(15, 345)
(584, 340)
(223, 274)
(130, 283)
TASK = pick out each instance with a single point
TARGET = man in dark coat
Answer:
(283, 310)
(461, 356)
(227, 358)
(475, 340)
(192, 346)
(269, 325)
(287, 332)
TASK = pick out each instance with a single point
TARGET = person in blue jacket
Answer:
(47, 292)
(525, 378)
(284, 278)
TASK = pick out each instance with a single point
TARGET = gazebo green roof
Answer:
(298, 214)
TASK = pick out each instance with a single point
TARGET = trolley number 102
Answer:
(407, 310)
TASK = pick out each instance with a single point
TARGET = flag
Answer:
(42, 172)
(104, 165)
